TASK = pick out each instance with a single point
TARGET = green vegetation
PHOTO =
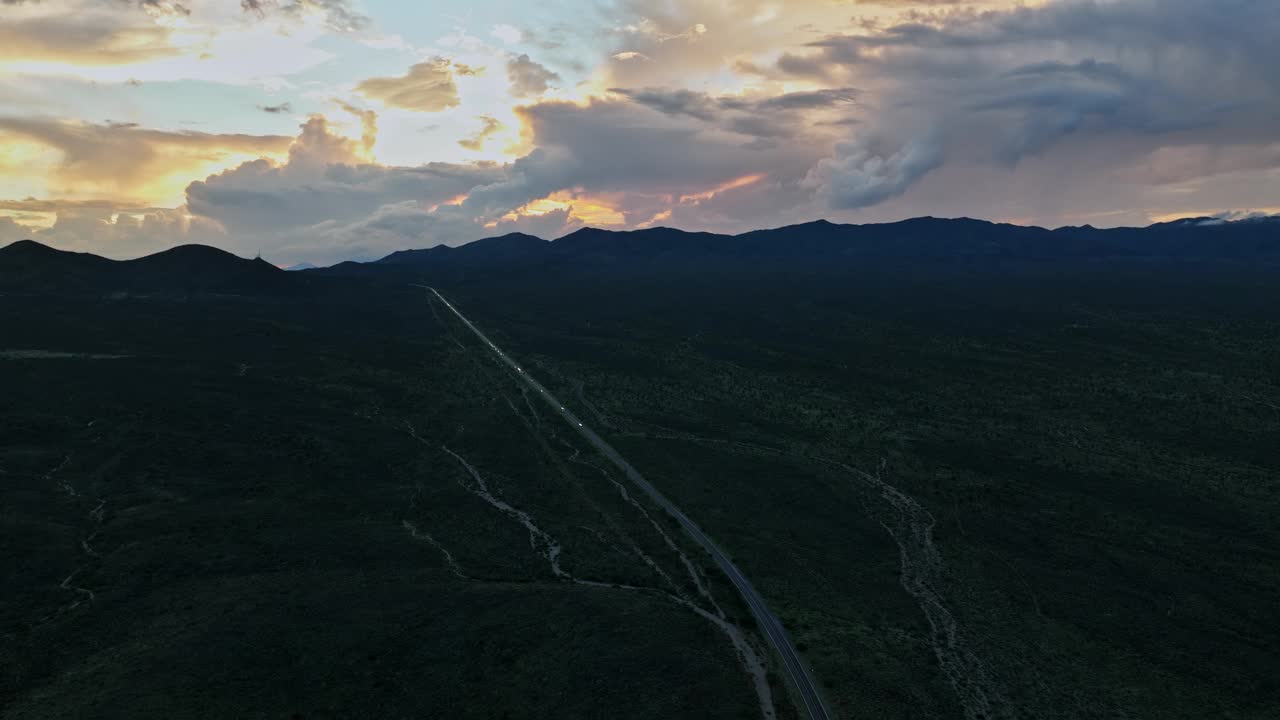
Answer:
(231, 521)
(1091, 453)
(1019, 491)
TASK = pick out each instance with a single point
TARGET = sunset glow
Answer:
(703, 115)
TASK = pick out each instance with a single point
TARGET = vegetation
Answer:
(229, 518)
(1080, 468)
(998, 489)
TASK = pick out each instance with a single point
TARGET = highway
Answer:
(769, 624)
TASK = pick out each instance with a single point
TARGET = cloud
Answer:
(338, 15)
(508, 34)
(115, 41)
(427, 87)
(114, 233)
(866, 172)
(607, 160)
(717, 115)
(165, 7)
(325, 191)
(1173, 165)
(694, 43)
(368, 127)
(316, 146)
(643, 157)
(328, 202)
(811, 99)
(92, 35)
(703, 106)
(758, 115)
(34, 205)
(915, 3)
(476, 142)
(128, 161)
(11, 231)
(1238, 215)
(673, 101)
(1002, 86)
(527, 77)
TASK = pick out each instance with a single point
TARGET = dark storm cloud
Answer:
(775, 116)
(804, 66)
(810, 100)
(324, 180)
(608, 147)
(325, 203)
(1023, 82)
(674, 101)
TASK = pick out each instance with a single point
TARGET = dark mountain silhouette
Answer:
(29, 266)
(505, 248)
(808, 247)
(27, 263)
(828, 245)
(655, 244)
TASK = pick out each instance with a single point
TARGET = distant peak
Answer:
(511, 237)
(25, 245)
(589, 230)
(31, 249)
(194, 249)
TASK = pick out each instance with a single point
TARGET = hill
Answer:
(505, 248)
(29, 266)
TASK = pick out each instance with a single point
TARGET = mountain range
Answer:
(28, 265)
(828, 244)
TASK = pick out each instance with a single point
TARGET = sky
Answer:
(326, 130)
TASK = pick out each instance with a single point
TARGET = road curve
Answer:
(777, 636)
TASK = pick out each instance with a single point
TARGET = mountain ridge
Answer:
(27, 263)
(191, 268)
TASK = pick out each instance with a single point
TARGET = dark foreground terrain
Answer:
(1007, 486)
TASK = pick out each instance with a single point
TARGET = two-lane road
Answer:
(768, 622)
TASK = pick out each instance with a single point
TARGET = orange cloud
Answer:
(89, 38)
(453, 201)
(734, 184)
(427, 87)
(121, 161)
(590, 210)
